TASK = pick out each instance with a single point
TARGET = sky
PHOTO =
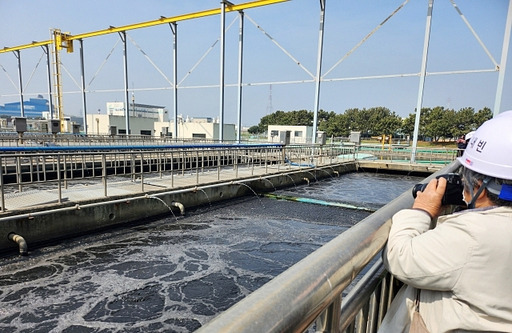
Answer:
(273, 79)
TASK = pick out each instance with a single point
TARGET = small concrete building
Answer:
(202, 128)
(142, 119)
(154, 120)
(289, 134)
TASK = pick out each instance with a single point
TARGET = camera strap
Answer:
(482, 187)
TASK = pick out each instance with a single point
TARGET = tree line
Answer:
(435, 123)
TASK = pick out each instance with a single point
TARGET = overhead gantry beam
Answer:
(162, 20)
(65, 41)
(26, 46)
(184, 17)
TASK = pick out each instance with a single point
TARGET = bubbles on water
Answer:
(159, 277)
(371, 190)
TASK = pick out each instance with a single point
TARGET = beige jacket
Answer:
(463, 266)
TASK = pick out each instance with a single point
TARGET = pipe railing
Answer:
(431, 155)
(23, 169)
(312, 293)
(36, 139)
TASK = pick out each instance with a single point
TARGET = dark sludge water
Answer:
(174, 275)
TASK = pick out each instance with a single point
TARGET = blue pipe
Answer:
(95, 148)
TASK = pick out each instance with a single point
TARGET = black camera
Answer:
(453, 192)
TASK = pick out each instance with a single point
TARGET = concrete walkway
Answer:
(42, 212)
(46, 195)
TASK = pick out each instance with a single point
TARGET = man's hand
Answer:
(430, 199)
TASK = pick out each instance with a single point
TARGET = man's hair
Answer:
(474, 179)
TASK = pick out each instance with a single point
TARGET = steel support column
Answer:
(82, 75)
(126, 93)
(49, 72)
(318, 69)
(222, 62)
(20, 77)
(423, 74)
(240, 72)
(503, 61)
(174, 29)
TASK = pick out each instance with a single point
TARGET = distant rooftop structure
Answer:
(33, 108)
(138, 110)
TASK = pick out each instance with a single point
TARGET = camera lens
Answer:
(418, 188)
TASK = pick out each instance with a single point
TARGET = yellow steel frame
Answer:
(26, 46)
(65, 40)
(178, 18)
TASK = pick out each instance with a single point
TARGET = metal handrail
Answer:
(312, 289)
(43, 166)
(23, 168)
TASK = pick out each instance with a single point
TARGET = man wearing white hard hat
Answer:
(463, 267)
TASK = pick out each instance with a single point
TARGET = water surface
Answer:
(174, 275)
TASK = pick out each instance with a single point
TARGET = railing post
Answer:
(235, 162)
(18, 171)
(2, 189)
(172, 170)
(233, 157)
(266, 160)
(252, 160)
(142, 172)
(197, 167)
(159, 154)
(64, 164)
(183, 162)
(218, 165)
(104, 173)
(132, 166)
(59, 185)
(202, 161)
(31, 169)
(362, 319)
(329, 320)
(372, 323)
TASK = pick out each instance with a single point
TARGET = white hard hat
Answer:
(489, 150)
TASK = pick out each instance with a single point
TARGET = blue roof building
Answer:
(34, 108)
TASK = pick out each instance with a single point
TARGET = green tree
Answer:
(293, 118)
(254, 130)
(337, 125)
(464, 122)
(355, 120)
(482, 116)
(436, 122)
(440, 123)
(383, 121)
(408, 123)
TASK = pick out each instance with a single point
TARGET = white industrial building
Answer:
(289, 134)
(154, 120)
